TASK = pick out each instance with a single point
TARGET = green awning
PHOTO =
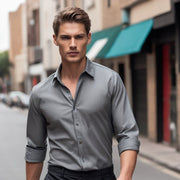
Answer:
(101, 42)
(131, 39)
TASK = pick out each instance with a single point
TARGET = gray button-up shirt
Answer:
(80, 130)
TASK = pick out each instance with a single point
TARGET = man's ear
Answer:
(54, 40)
(89, 38)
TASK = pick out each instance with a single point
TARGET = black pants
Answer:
(60, 173)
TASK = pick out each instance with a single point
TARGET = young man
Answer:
(79, 109)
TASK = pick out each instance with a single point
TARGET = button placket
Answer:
(78, 134)
(76, 123)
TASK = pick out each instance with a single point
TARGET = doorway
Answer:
(139, 91)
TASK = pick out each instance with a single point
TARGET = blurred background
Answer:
(140, 39)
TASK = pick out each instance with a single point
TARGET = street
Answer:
(12, 150)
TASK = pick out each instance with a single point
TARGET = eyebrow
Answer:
(81, 34)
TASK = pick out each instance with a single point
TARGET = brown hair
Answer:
(71, 14)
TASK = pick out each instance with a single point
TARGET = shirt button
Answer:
(80, 142)
(77, 124)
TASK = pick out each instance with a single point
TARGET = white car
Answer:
(19, 98)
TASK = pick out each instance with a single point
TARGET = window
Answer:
(125, 16)
(89, 4)
(33, 31)
(57, 5)
(109, 3)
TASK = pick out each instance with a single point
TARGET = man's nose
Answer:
(72, 43)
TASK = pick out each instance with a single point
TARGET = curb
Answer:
(175, 169)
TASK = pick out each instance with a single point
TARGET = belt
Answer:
(63, 171)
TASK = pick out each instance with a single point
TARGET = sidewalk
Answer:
(160, 153)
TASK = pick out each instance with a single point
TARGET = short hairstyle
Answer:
(71, 14)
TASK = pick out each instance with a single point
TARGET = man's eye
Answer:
(79, 37)
(65, 37)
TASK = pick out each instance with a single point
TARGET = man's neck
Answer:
(72, 71)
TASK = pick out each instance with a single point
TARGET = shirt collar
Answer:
(89, 69)
(57, 73)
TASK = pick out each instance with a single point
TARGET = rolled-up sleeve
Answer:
(124, 124)
(36, 132)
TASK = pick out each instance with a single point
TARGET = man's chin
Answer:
(74, 60)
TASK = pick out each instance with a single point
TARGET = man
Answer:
(79, 108)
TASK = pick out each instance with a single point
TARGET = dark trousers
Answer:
(60, 173)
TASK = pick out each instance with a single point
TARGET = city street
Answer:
(12, 150)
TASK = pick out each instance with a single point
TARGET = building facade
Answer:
(18, 48)
(160, 65)
(36, 71)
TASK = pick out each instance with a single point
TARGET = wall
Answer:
(149, 9)
(112, 14)
(128, 3)
(151, 96)
(20, 69)
(15, 28)
(94, 10)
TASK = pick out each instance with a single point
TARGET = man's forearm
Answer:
(33, 170)
(128, 163)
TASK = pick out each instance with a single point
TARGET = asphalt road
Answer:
(12, 150)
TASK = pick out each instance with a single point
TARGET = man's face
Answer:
(72, 40)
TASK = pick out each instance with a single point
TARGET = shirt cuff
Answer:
(35, 155)
(128, 144)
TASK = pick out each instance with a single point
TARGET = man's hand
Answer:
(128, 163)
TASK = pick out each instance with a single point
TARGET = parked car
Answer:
(3, 97)
(19, 99)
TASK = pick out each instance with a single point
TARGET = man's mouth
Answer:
(73, 53)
